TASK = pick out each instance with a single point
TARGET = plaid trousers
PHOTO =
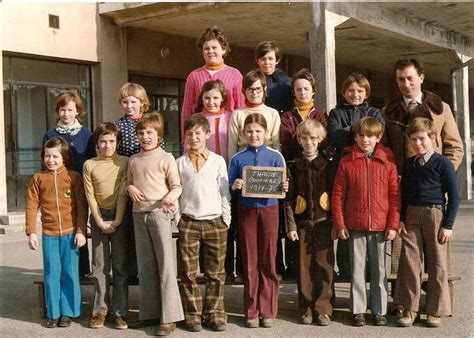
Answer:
(212, 234)
(423, 224)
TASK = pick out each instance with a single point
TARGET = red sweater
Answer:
(366, 194)
(61, 199)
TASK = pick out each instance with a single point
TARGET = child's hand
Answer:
(135, 194)
(444, 235)
(285, 185)
(343, 234)
(390, 234)
(238, 184)
(402, 231)
(79, 240)
(293, 235)
(168, 205)
(33, 242)
(107, 227)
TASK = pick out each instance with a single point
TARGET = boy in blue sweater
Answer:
(427, 219)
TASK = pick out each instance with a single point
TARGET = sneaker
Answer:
(323, 320)
(64, 321)
(193, 327)
(97, 321)
(307, 319)
(433, 321)
(268, 322)
(408, 318)
(52, 323)
(358, 320)
(380, 320)
(120, 323)
(252, 322)
(165, 329)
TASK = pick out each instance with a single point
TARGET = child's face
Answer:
(254, 93)
(53, 160)
(303, 90)
(212, 100)
(213, 52)
(131, 105)
(421, 142)
(196, 139)
(367, 143)
(107, 145)
(355, 94)
(309, 142)
(254, 134)
(148, 138)
(68, 113)
(267, 63)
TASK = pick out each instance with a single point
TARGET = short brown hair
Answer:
(153, 120)
(264, 47)
(256, 118)
(253, 76)
(214, 33)
(58, 142)
(421, 124)
(207, 86)
(407, 62)
(368, 126)
(107, 128)
(66, 97)
(360, 79)
(134, 89)
(304, 74)
(197, 119)
(311, 125)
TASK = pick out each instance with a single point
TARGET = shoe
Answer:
(433, 321)
(397, 310)
(239, 279)
(165, 329)
(252, 322)
(139, 324)
(52, 323)
(97, 321)
(380, 320)
(323, 320)
(229, 279)
(219, 326)
(64, 321)
(120, 323)
(408, 318)
(358, 320)
(268, 322)
(307, 319)
(193, 327)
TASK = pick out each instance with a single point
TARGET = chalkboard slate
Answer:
(263, 182)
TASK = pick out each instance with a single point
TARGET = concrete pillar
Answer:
(111, 72)
(322, 46)
(463, 122)
(3, 172)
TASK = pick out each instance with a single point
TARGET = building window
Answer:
(29, 90)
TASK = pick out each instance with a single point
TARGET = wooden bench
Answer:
(392, 278)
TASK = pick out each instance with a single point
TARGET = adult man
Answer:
(417, 103)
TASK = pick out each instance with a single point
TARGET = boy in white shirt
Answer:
(205, 218)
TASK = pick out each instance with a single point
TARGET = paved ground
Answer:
(19, 317)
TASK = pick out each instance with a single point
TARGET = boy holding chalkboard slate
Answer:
(306, 207)
(205, 218)
(258, 225)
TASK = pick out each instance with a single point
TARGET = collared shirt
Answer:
(423, 159)
(418, 99)
(198, 159)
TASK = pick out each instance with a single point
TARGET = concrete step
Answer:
(13, 222)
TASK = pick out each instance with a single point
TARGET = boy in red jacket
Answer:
(366, 211)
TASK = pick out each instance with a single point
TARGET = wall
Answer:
(26, 30)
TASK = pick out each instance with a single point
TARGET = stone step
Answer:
(13, 222)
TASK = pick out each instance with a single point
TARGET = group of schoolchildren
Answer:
(344, 186)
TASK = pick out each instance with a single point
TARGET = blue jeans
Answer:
(61, 276)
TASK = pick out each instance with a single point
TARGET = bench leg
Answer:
(42, 305)
(451, 296)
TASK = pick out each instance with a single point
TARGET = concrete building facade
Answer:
(95, 48)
